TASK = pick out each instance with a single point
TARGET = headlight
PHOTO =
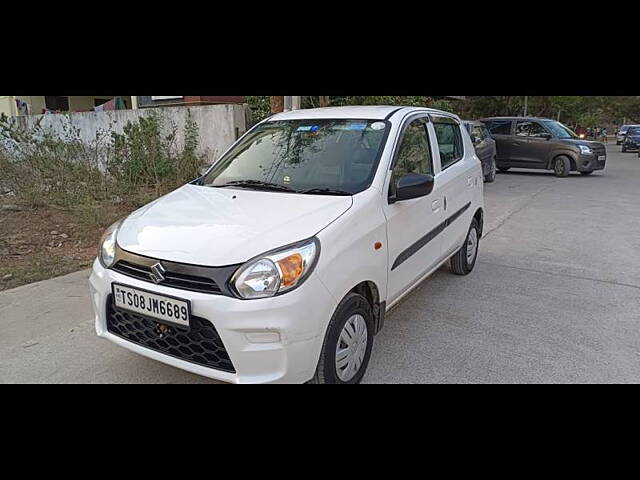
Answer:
(276, 272)
(107, 253)
(584, 150)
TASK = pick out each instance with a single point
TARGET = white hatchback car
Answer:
(279, 263)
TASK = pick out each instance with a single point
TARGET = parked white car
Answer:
(278, 265)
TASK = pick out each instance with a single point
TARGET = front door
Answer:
(482, 147)
(414, 245)
(539, 146)
(531, 144)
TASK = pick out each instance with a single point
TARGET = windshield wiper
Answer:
(326, 191)
(259, 184)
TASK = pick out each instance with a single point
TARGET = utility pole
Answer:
(525, 105)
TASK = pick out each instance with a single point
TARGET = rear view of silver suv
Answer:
(544, 144)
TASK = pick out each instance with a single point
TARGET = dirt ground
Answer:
(44, 242)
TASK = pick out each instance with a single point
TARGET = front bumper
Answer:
(589, 163)
(268, 340)
(631, 145)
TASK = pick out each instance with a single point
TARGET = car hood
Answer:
(582, 141)
(225, 226)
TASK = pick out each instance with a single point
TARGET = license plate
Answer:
(602, 158)
(143, 302)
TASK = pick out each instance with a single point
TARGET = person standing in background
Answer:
(604, 134)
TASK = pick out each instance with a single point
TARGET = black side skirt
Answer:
(406, 254)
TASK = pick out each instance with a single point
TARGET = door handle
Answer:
(435, 206)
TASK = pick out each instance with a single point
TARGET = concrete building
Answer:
(37, 105)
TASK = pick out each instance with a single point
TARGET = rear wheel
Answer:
(561, 166)
(464, 260)
(490, 177)
(347, 346)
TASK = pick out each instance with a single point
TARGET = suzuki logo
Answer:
(157, 272)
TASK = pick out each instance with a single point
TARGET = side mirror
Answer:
(412, 185)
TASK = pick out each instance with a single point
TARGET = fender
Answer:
(573, 157)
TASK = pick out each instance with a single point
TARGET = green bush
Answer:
(42, 167)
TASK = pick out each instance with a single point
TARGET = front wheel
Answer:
(562, 166)
(347, 345)
(624, 148)
(464, 260)
(490, 177)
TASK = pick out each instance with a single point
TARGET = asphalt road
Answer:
(555, 297)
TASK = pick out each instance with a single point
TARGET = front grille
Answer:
(199, 344)
(172, 279)
(599, 150)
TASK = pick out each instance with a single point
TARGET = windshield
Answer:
(307, 156)
(633, 131)
(559, 130)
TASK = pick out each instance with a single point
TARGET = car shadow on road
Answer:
(542, 174)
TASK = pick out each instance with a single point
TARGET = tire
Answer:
(491, 176)
(462, 262)
(561, 166)
(504, 169)
(353, 305)
(587, 173)
(624, 149)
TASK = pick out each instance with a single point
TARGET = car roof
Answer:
(369, 112)
(515, 118)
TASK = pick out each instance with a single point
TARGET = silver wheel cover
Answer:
(351, 347)
(472, 246)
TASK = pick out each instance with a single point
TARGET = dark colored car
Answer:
(632, 140)
(623, 132)
(541, 143)
(485, 148)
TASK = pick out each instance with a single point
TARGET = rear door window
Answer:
(449, 143)
(500, 127)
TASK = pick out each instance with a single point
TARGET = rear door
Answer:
(456, 178)
(414, 247)
(501, 132)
